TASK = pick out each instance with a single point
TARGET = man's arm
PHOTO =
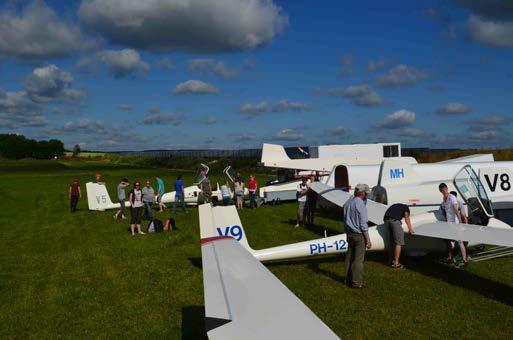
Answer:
(407, 219)
(364, 227)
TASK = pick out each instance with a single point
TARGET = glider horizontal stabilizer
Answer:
(467, 232)
(244, 300)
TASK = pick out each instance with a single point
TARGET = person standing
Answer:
(121, 198)
(179, 194)
(226, 193)
(239, 192)
(302, 189)
(160, 193)
(355, 220)
(463, 217)
(98, 179)
(253, 186)
(206, 189)
(136, 204)
(393, 223)
(74, 194)
(311, 202)
(451, 210)
(148, 198)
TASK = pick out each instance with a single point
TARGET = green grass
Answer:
(83, 275)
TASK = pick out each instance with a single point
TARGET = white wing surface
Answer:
(467, 232)
(244, 300)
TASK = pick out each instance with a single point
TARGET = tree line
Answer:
(13, 146)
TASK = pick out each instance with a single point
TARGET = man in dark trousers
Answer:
(355, 220)
(393, 223)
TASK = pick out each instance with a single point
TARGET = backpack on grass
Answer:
(170, 224)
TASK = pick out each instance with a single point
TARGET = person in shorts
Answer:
(239, 192)
(121, 198)
(393, 224)
(451, 210)
(136, 206)
(302, 189)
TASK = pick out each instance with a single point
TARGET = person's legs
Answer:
(73, 203)
(138, 223)
(463, 251)
(133, 219)
(251, 199)
(349, 259)
(174, 204)
(300, 210)
(397, 254)
(398, 241)
(182, 199)
(359, 257)
(449, 251)
(149, 206)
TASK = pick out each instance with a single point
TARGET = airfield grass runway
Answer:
(83, 275)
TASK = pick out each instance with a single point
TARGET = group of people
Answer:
(358, 240)
(239, 191)
(307, 201)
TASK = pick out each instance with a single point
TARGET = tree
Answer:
(14, 146)
(76, 150)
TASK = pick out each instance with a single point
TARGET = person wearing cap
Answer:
(355, 220)
(393, 217)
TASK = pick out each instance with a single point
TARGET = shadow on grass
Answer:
(193, 323)
(488, 288)
(196, 262)
(427, 266)
(317, 229)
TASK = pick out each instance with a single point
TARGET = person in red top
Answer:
(253, 186)
(74, 194)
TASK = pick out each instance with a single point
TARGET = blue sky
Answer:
(126, 75)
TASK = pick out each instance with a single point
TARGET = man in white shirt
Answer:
(302, 188)
(452, 213)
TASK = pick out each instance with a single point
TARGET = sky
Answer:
(168, 74)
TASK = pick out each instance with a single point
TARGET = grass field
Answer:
(83, 275)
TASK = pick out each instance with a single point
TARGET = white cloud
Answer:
(360, 95)
(254, 109)
(413, 132)
(155, 117)
(190, 25)
(336, 131)
(375, 65)
(209, 120)
(125, 107)
(119, 63)
(195, 87)
(18, 110)
(490, 32)
(164, 63)
(38, 33)
(399, 119)
(401, 75)
(50, 83)
(453, 109)
(212, 66)
(288, 135)
(286, 105)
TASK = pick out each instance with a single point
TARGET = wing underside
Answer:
(467, 232)
(244, 300)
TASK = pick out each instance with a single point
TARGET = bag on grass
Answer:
(170, 224)
(159, 227)
(151, 227)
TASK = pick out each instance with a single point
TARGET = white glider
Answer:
(244, 300)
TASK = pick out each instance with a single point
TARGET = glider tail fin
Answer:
(97, 197)
(273, 153)
(222, 221)
(397, 172)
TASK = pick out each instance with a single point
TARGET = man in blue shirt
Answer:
(179, 193)
(355, 220)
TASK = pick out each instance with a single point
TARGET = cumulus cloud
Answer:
(286, 105)
(195, 87)
(336, 131)
(212, 66)
(489, 122)
(453, 109)
(254, 109)
(491, 33)
(375, 65)
(119, 63)
(396, 120)
(188, 25)
(499, 10)
(413, 132)
(50, 83)
(125, 107)
(155, 116)
(401, 75)
(36, 33)
(209, 120)
(288, 135)
(18, 110)
(360, 95)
